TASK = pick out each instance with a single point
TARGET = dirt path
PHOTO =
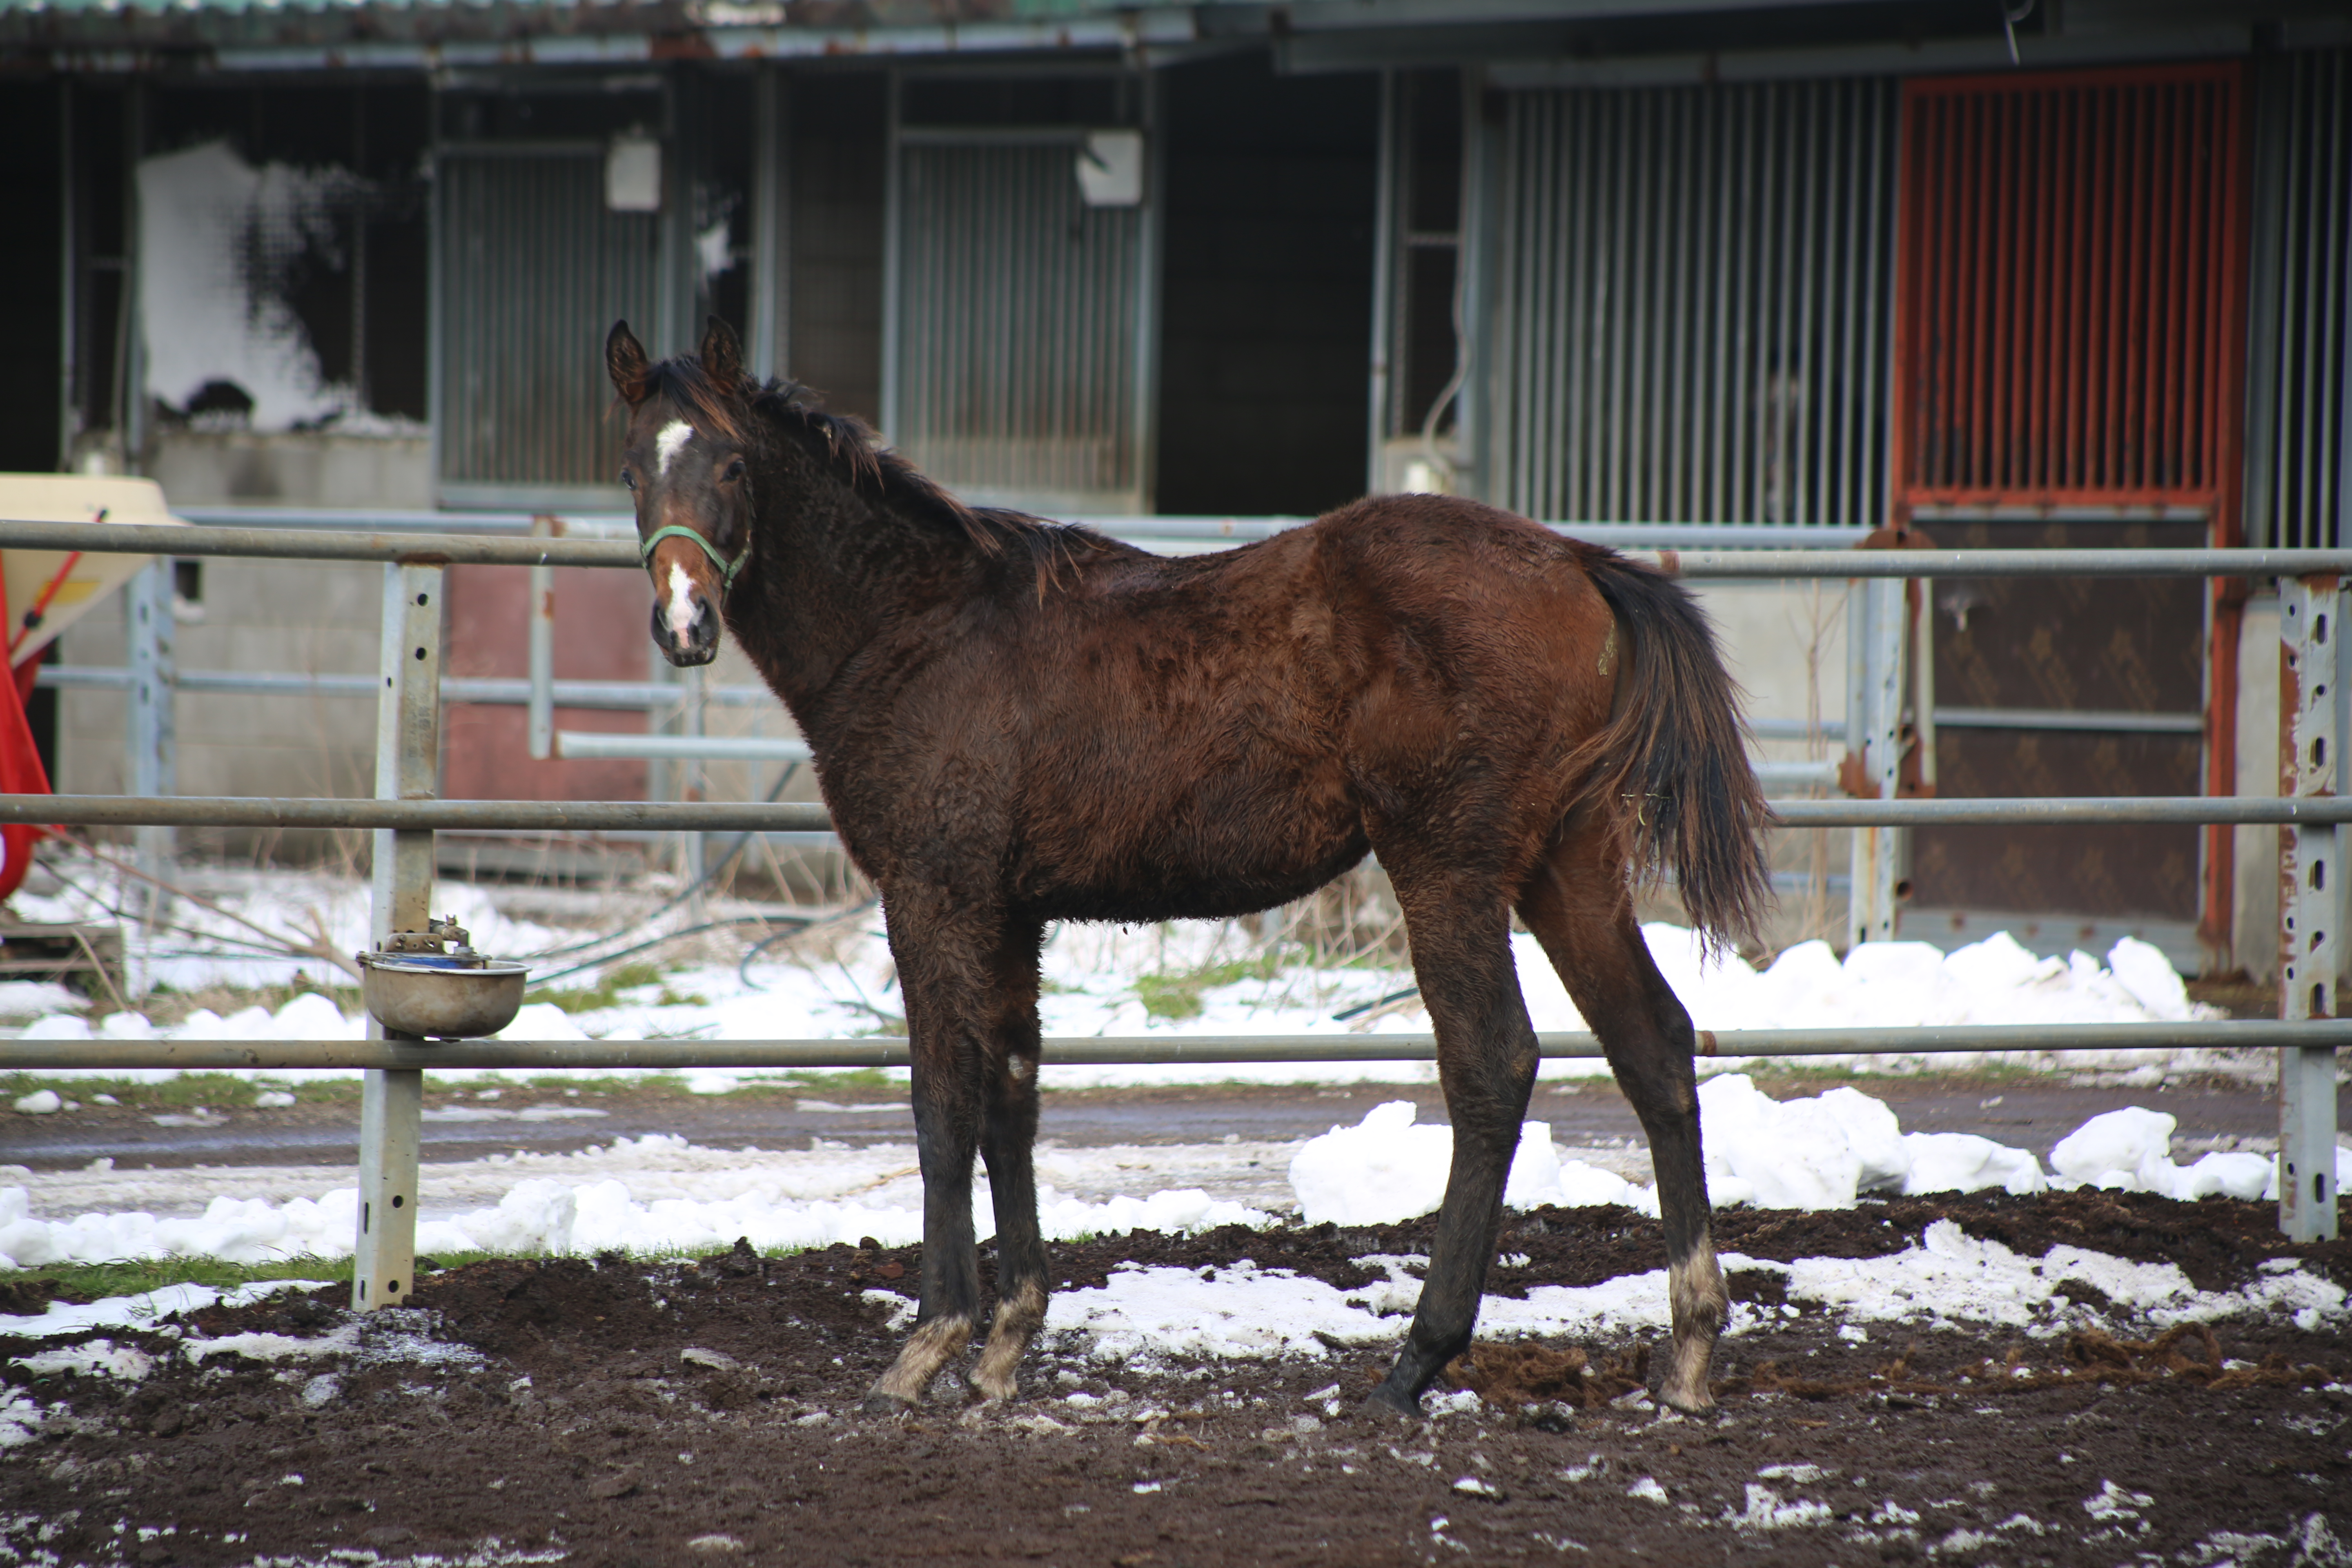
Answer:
(625, 1413)
(2029, 1113)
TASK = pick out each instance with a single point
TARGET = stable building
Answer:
(2069, 273)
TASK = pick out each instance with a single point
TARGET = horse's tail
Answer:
(1672, 766)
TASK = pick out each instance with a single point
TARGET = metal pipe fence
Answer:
(1694, 565)
(622, 696)
(792, 816)
(1148, 1050)
(412, 692)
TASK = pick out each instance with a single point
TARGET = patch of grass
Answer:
(1177, 996)
(131, 1275)
(605, 993)
(830, 1078)
(176, 1094)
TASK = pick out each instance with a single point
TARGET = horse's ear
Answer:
(722, 355)
(625, 362)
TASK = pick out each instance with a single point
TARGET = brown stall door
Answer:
(2105, 682)
(600, 635)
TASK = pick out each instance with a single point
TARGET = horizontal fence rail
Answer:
(415, 815)
(1188, 530)
(508, 691)
(1134, 1050)
(1724, 565)
(315, 545)
(786, 816)
(483, 550)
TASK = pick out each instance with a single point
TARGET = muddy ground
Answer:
(619, 1412)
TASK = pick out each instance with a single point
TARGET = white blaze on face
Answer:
(669, 442)
(681, 602)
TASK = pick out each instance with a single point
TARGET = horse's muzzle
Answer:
(699, 645)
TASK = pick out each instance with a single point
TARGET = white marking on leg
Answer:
(681, 602)
(673, 437)
(1017, 1322)
(1695, 1290)
(926, 1351)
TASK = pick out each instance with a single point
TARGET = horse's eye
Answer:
(628, 478)
(734, 469)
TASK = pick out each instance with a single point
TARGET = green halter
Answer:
(726, 569)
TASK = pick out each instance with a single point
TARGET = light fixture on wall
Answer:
(632, 175)
(1111, 169)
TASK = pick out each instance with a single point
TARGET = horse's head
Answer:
(684, 459)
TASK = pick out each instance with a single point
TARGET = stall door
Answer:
(2070, 279)
(1019, 320)
(534, 268)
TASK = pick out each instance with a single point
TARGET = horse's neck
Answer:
(833, 566)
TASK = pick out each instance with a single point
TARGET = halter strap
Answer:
(726, 569)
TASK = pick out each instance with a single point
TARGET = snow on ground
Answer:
(1821, 1152)
(1948, 1278)
(1096, 979)
(658, 1193)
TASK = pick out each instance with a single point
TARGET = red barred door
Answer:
(2068, 350)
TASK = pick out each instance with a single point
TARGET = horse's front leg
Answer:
(1009, 1131)
(940, 970)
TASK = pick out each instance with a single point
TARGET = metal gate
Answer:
(531, 271)
(2072, 257)
(1691, 289)
(1019, 321)
(2067, 342)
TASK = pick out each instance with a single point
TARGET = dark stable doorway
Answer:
(1268, 288)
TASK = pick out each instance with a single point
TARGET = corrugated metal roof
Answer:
(263, 35)
(267, 33)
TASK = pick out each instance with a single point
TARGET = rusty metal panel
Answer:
(2066, 644)
(1019, 327)
(1692, 286)
(533, 272)
(2070, 266)
(484, 750)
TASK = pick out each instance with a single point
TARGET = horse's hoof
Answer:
(1689, 1405)
(880, 1403)
(1392, 1402)
(991, 1391)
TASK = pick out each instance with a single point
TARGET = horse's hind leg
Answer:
(1008, 1132)
(1486, 1065)
(1577, 905)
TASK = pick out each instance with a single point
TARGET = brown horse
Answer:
(1016, 723)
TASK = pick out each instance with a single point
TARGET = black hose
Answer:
(726, 924)
(710, 874)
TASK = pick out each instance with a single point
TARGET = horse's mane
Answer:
(864, 463)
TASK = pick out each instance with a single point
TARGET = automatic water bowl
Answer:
(431, 984)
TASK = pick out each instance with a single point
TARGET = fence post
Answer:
(1874, 750)
(153, 734)
(2308, 898)
(408, 767)
(541, 719)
